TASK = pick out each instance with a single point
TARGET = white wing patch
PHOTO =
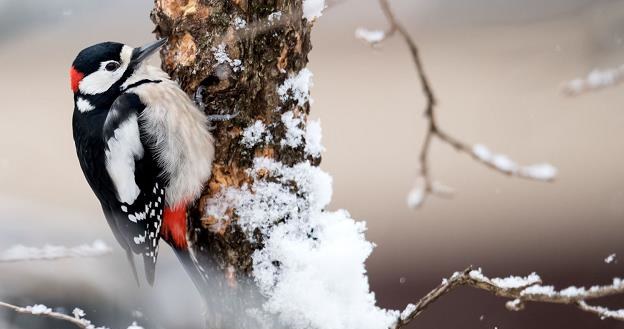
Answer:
(123, 149)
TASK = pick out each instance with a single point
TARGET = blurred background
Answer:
(496, 67)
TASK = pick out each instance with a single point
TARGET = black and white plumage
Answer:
(143, 146)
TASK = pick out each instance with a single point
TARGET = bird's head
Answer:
(107, 65)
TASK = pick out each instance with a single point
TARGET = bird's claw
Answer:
(199, 100)
(220, 117)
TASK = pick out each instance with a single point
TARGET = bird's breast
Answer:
(178, 132)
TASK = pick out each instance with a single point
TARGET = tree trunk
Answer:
(239, 52)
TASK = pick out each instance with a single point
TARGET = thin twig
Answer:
(602, 312)
(21, 253)
(499, 163)
(78, 322)
(519, 290)
(43, 311)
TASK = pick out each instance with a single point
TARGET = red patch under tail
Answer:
(173, 229)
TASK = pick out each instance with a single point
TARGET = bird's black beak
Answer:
(141, 53)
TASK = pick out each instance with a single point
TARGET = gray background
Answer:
(496, 67)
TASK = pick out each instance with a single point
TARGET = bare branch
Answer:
(424, 184)
(44, 311)
(602, 312)
(520, 290)
(595, 80)
(22, 253)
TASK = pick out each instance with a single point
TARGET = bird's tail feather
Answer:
(191, 269)
(130, 257)
(149, 264)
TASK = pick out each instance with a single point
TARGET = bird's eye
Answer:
(111, 66)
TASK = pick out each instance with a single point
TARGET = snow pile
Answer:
(321, 279)
(370, 36)
(80, 315)
(542, 171)
(239, 23)
(275, 16)
(603, 311)
(514, 305)
(313, 136)
(539, 290)
(134, 325)
(38, 309)
(255, 134)
(572, 291)
(419, 191)
(409, 309)
(49, 252)
(311, 269)
(511, 282)
(516, 282)
(416, 195)
(313, 9)
(297, 88)
(267, 202)
(221, 56)
(474, 274)
(294, 134)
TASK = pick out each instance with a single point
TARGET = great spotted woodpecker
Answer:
(144, 147)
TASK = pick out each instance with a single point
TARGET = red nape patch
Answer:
(174, 227)
(75, 77)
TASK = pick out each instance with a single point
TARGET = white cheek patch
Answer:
(101, 80)
(84, 105)
(123, 148)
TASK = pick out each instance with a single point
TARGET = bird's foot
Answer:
(199, 100)
(219, 117)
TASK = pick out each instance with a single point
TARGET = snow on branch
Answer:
(596, 79)
(313, 9)
(519, 290)
(370, 36)
(49, 252)
(78, 318)
(610, 259)
(602, 312)
(424, 185)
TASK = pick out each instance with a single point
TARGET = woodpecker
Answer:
(143, 145)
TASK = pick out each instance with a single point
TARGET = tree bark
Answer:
(272, 44)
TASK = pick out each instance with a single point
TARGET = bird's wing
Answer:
(134, 172)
